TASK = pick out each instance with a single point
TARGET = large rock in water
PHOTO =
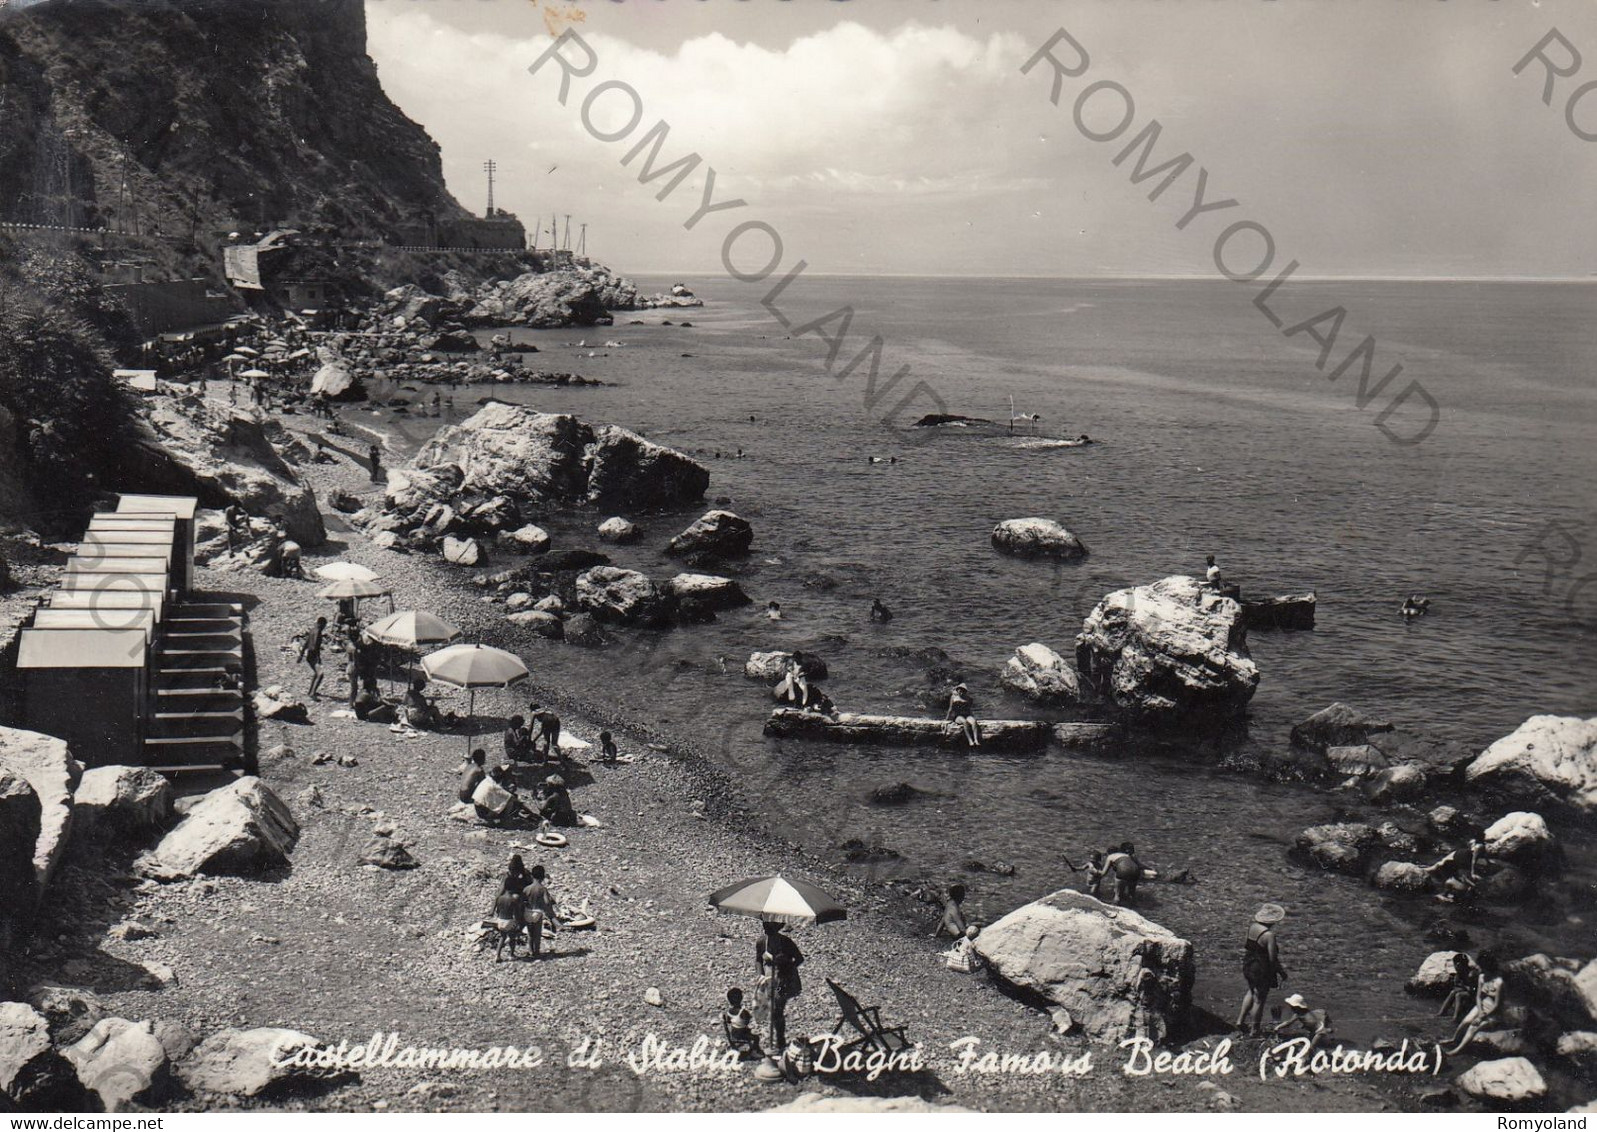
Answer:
(242, 827)
(1037, 538)
(1119, 975)
(1337, 726)
(1520, 837)
(621, 596)
(701, 595)
(1169, 653)
(245, 1063)
(514, 451)
(123, 799)
(1508, 1080)
(625, 470)
(49, 768)
(1039, 673)
(19, 835)
(224, 456)
(720, 533)
(1549, 759)
(1343, 847)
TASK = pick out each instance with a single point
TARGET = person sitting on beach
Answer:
(963, 956)
(419, 710)
(288, 550)
(555, 802)
(1461, 990)
(880, 612)
(518, 741)
(1314, 1024)
(495, 796)
(952, 925)
(1488, 998)
(472, 772)
(608, 753)
(962, 712)
(545, 731)
(737, 1023)
(508, 913)
(370, 708)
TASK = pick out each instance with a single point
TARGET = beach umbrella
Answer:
(346, 572)
(357, 588)
(246, 350)
(255, 373)
(411, 628)
(777, 898)
(472, 667)
(235, 357)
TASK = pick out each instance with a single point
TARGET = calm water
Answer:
(1217, 436)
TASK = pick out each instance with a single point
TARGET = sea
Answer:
(1214, 433)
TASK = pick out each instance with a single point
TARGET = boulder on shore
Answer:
(1039, 673)
(121, 1062)
(1169, 653)
(1550, 760)
(125, 799)
(769, 667)
(527, 539)
(628, 471)
(584, 631)
(1119, 975)
(49, 768)
(618, 530)
(32, 1074)
(245, 1063)
(1507, 1080)
(701, 595)
(1563, 988)
(623, 597)
(463, 551)
(718, 533)
(1400, 876)
(242, 827)
(1337, 726)
(1521, 837)
(541, 622)
(1435, 975)
(1036, 538)
(1402, 783)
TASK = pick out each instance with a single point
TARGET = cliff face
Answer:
(219, 114)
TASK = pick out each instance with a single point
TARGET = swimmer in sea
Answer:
(880, 612)
(773, 610)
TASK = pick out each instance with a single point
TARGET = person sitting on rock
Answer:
(737, 1023)
(1488, 998)
(962, 713)
(880, 612)
(472, 772)
(1461, 989)
(1095, 872)
(1211, 574)
(795, 686)
(1459, 871)
(1314, 1024)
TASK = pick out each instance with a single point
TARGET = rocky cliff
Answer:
(218, 113)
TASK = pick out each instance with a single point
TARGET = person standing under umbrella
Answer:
(776, 961)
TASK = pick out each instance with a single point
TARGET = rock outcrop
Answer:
(1563, 988)
(1170, 653)
(1119, 975)
(1039, 673)
(1435, 975)
(123, 799)
(121, 1062)
(1037, 538)
(623, 597)
(1550, 760)
(1521, 837)
(1342, 846)
(1337, 726)
(699, 596)
(1507, 1080)
(49, 768)
(33, 1076)
(242, 827)
(624, 469)
(245, 1063)
(718, 533)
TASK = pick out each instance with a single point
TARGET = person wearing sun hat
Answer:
(1314, 1024)
(1261, 966)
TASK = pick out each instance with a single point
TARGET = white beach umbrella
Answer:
(346, 572)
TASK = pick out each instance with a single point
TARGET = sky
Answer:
(1368, 138)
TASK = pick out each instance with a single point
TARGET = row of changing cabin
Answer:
(124, 663)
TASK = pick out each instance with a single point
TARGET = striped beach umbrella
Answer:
(779, 899)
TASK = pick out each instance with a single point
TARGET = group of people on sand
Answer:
(361, 660)
(497, 798)
(777, 982)
(524, 910)
(1474, 996)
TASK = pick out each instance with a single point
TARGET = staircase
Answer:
(194, 724)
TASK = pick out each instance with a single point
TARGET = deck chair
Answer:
(866, 1021)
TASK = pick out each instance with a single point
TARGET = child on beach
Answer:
(737, 1023)
(1314, 1024)
(607, 748)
